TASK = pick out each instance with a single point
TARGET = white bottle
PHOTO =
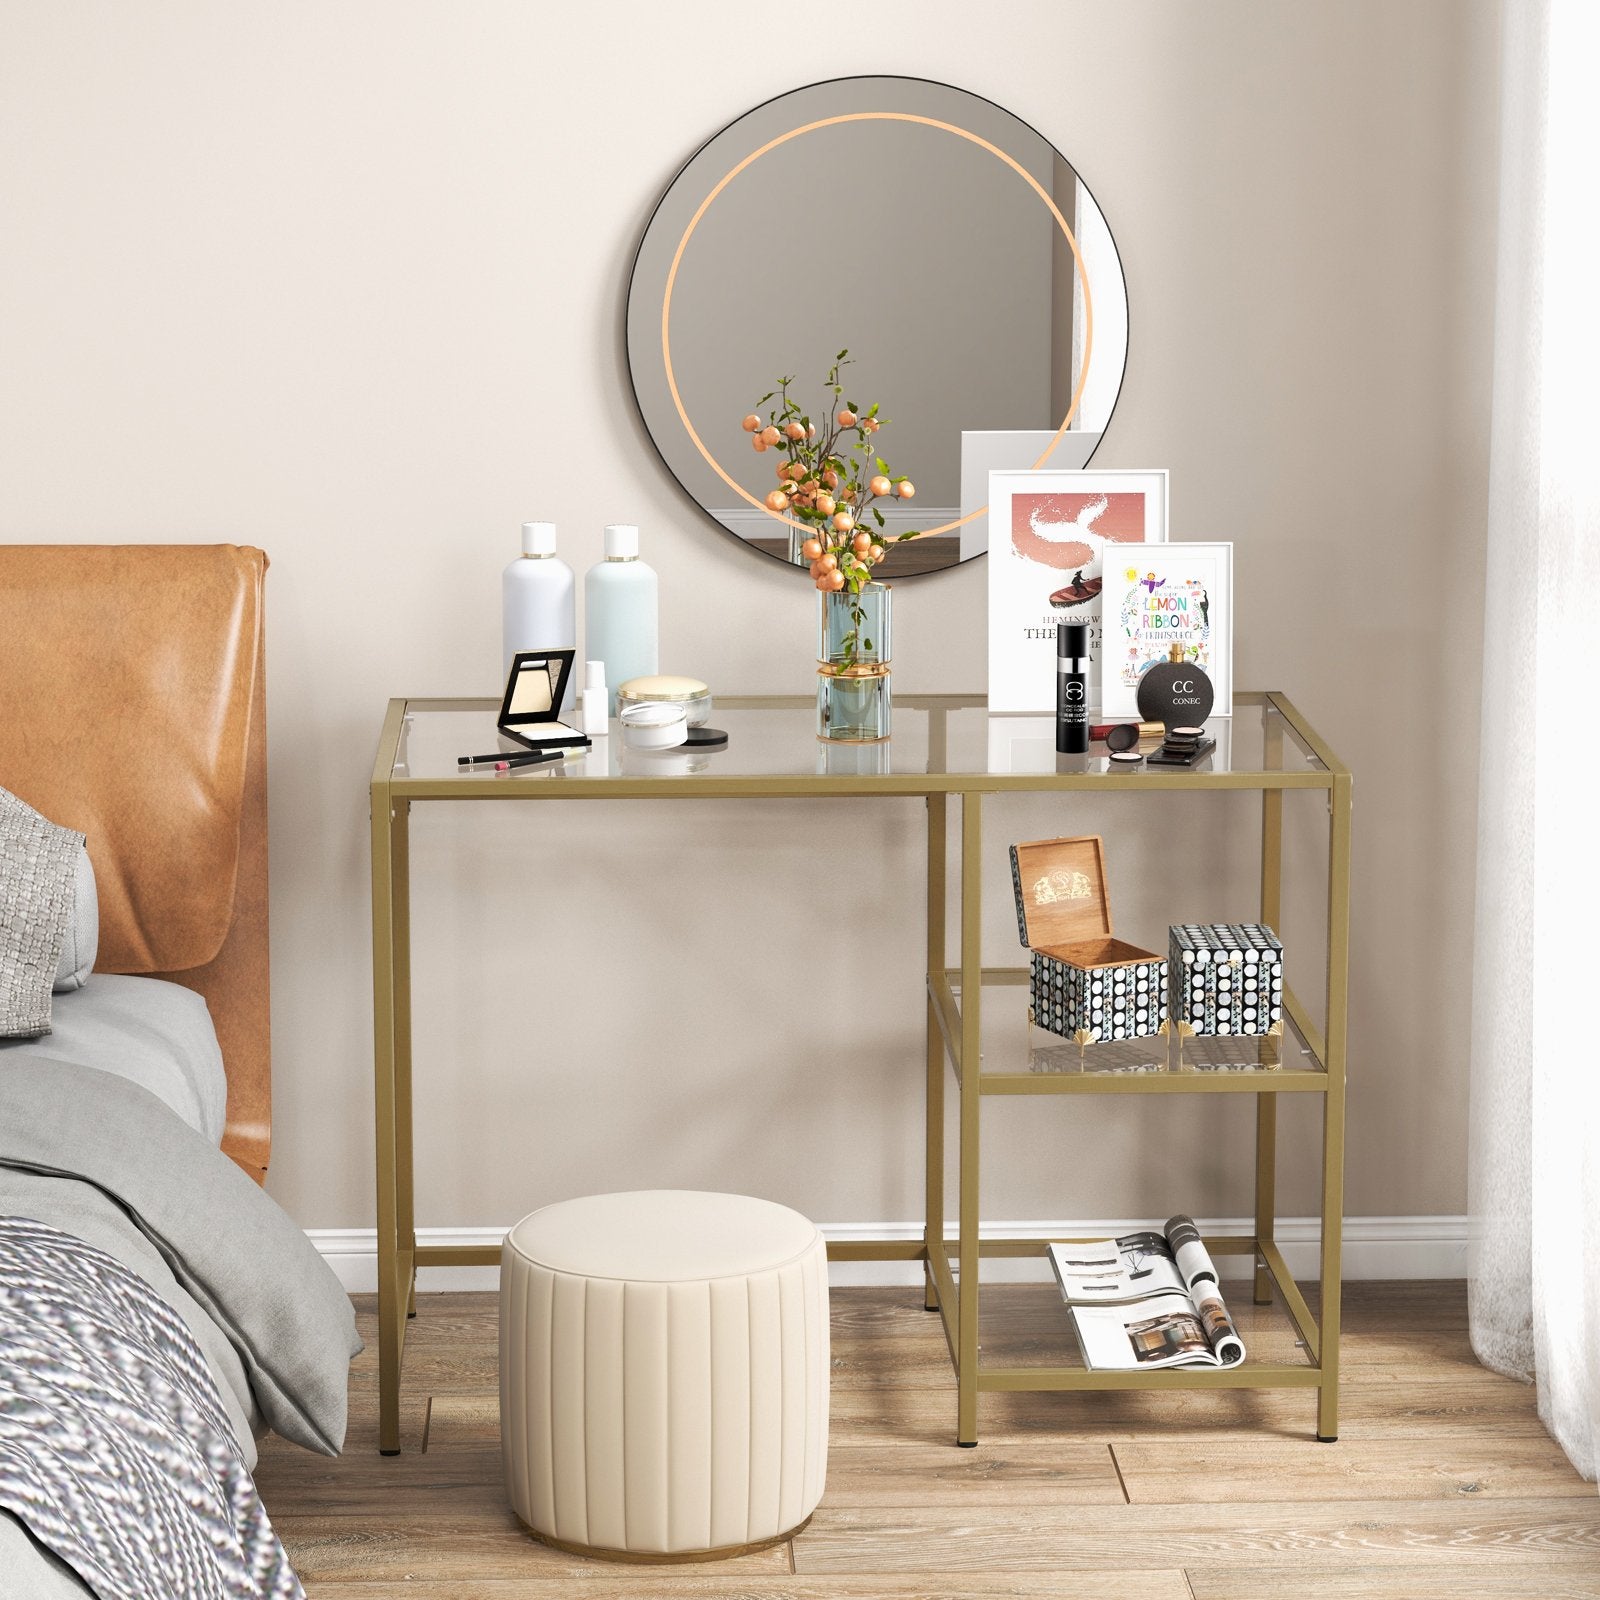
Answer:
(596, 705)
(538, 604)
(621, 622)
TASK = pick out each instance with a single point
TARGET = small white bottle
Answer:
(621, 619)
(538, 603)
(596, 703)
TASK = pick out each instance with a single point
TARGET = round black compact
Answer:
(1122, 736)
(706, 738)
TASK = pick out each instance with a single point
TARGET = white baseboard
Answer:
(1374, 1247)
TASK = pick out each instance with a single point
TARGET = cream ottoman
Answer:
(664, 1373)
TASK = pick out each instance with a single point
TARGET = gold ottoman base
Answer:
(643, 1558)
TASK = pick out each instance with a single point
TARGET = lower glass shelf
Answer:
(1019, 1058)
(1027, 1339)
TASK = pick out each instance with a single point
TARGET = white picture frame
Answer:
(1043, 543)
(1181, 592)
(1009, 450)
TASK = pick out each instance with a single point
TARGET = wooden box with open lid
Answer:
(1084, 984)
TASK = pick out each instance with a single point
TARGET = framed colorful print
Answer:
(1050, 534)
(1180, 594)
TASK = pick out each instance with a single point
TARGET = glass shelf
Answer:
(941, 743)
(1019, 1058)
(1028, 1326)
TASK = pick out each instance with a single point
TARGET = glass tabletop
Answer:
(939, 742)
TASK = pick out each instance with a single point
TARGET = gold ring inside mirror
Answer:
(941, 241)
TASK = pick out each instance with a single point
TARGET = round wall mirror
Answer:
(946, 250)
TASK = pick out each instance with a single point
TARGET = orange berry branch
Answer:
(829, 479)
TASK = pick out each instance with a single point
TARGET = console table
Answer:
(944, 747)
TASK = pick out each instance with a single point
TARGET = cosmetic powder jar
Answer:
(654, 725)
(1123, 736)
(664, 689)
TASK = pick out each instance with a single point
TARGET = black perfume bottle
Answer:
(1176, 692)
(1072, 688)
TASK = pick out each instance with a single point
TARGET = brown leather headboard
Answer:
(133, 708)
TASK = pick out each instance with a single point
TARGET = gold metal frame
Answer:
(953, 1034)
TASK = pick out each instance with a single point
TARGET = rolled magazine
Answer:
(1147, 1299)
(1200, 1279)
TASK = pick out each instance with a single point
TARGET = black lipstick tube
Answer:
(1072, 688)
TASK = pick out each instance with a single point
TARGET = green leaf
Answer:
(874, 411)
(841, 355)
(879, 515)
(883, 466)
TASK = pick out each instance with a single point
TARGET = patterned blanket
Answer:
(115, 1450)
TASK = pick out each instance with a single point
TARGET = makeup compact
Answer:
(1182, 747)
(654, 725)
(533, 693)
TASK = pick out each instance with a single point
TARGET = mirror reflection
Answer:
(952, 251)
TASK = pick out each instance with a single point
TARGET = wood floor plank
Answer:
(407, 1543)
(1397, 1580)
(1181, 1471)
(665, 1584)
(1381, 1410)
(465, 1431)
(1038, 1538)
(898, 1416)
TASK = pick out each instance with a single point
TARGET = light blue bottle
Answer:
(621, 614)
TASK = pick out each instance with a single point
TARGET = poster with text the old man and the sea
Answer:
(1051, 534)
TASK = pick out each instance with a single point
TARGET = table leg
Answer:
(1267, 1104)
(400, 902)
(392, 1097)
(1333, 1113)
(933, 1234)
(971, 1065)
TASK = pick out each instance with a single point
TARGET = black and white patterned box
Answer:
(1225, 978)
(1105, 1003)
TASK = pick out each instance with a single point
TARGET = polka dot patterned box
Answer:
(1085, 985)
(1226, 978)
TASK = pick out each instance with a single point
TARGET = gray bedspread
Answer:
(157, 1034)
(115, 1450)
(104, 1160)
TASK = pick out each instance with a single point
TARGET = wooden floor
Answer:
(1442, 1483)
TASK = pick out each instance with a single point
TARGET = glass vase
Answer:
(853, 644)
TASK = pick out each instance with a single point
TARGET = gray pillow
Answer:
(38, 883)
(81, 943)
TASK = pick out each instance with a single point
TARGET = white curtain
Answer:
(1535, 1159)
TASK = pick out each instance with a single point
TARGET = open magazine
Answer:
(1147, 1300)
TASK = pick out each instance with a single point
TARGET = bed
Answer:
(135, 1135)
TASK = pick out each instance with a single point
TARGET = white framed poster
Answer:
(1049, 534)
(1180, 594)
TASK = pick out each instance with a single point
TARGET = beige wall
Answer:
(345, 281)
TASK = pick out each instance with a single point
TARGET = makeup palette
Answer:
(534, 690)
(1182, 747)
